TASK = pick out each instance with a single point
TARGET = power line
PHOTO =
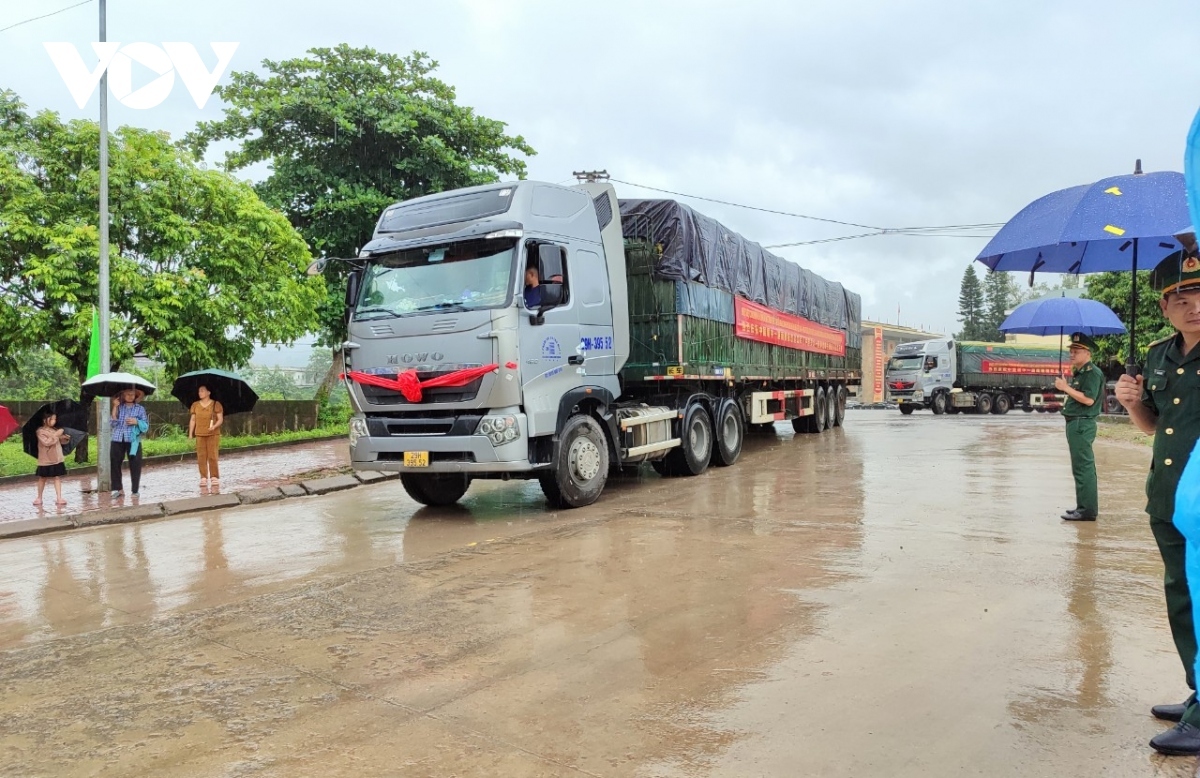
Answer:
(932, 231)
(749, 207)
(43, 16)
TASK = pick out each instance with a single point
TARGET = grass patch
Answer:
(1124, 431)
(14, 461)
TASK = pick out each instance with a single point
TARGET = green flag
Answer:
(94, 348)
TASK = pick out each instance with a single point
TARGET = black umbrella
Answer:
(76, 437)
(229, 389)
(70, 414)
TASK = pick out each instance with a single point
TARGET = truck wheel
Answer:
(581, 468)
(820, 411)
(1002, 405)
(830, 401)
(1112, 404)
(729, 435)
(951, 408)
(436, 489)
(907, 409)
(839, 405)
(692, 456)
(815, 423)
(983, 404)
(939, 403)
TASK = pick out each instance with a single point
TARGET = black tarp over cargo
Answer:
(699, 249)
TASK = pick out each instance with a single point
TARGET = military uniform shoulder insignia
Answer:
(1161, 341)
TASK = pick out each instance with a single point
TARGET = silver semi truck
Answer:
(518, 330)
(948, 376)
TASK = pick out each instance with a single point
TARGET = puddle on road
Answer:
(893, 595)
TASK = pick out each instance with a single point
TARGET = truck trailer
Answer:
(948, 376)
(534, 331)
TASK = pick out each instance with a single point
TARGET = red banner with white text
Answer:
(758, 322)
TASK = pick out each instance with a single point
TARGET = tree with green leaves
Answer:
(347, 132)
(39, 375)
(1000, 295)
(201, 269)
(971, 306)
(1114, 290)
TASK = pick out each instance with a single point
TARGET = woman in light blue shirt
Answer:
(130, 422)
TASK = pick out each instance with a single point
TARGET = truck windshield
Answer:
(459, 276)
(906, 363)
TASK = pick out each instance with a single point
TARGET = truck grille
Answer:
(376, 395)
(428, 423)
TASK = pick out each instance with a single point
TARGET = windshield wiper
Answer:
(446, 306)
(358, 315)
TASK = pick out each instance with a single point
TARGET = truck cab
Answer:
(524, 278)
(921, 375)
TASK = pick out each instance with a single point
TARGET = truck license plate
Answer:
(416, 459)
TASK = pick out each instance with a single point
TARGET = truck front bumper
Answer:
(446, 453)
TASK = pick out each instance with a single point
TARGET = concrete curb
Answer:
(8, 480)
(171, 508)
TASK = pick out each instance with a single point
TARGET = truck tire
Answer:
(951, 408)
(907, 409)
(940, 400)
(830, 401)
(815, 423)
(435, 489)
(581, 467)
(692, 456)
(1002, 404)
(730, 433)
(983, 404)
(839, 406)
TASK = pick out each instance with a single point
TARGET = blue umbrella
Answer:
(1059, 315)
(1096, 228)
(1056, 315)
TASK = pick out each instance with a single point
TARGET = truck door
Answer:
(551, 352)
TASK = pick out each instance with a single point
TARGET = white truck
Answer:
(948, 376)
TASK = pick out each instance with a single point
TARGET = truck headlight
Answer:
(358, 429)
(499, 429)
(918, 395)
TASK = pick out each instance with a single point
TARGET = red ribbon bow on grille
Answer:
(407, 383)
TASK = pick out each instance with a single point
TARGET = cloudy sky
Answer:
(888, 114)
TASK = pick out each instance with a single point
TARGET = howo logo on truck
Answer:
(420, 356)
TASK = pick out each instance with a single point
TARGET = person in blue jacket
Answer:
(130, 423)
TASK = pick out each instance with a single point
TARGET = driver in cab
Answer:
(533, 291)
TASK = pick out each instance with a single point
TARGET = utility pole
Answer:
(103, 469)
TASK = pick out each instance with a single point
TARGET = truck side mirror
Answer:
(550, 262)
(552, 295)
(353, 281)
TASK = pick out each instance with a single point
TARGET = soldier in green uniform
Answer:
(1165, 401)
(1084, 392)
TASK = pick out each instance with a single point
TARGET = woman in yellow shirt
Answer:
(205, 426)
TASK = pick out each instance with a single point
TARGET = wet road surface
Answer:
(897, 598)
(177, 480)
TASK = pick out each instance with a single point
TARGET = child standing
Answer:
(50, 458)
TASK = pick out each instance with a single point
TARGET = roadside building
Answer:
(879, 341)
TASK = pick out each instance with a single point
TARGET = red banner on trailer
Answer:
(758, 322)
(1014, 367)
